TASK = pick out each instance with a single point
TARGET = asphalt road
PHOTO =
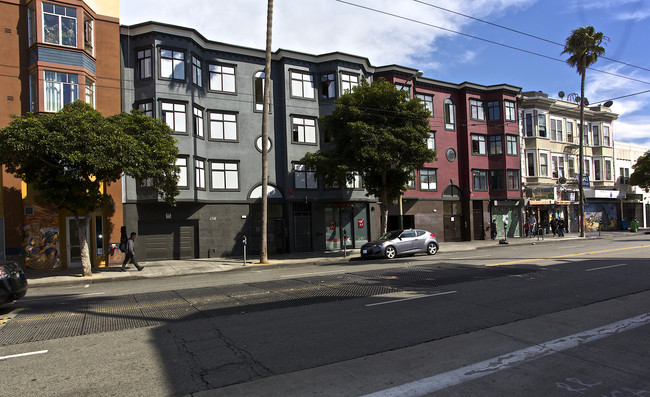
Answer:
(512, 320)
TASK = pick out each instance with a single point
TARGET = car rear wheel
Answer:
(390, 252)
(432, 248)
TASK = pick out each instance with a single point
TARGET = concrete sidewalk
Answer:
(170, 268)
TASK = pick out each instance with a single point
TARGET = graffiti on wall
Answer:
(41, 232)
(601, 215)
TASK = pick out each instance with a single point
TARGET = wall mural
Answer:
(41, 233)
(601, 214)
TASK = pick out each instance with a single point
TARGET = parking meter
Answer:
(244, 242)
(345, 243)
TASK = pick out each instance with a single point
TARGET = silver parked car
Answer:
(401, 242)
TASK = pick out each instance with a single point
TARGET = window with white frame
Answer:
(450, 117)
(529, 128)
(427, 101)
(411, 182)
(431, 140)
(608, 169)
(224, 175)
(197, 71)
(587, 167)
(353, 181)
(348, 82)
(569, 131)
(172, 64)
(146, 108)
(181, 163)
(222, 78)
(59, 24)
(556, 130)
(60, 90)
(607, 139)
(428, 179)
(510, 111)
(571, 167)
(478, 145)
(557, 165)
(199, 173)
(90, 92)
(304, 177)
(31, 24)
(223, 126)
(480, 179)
(303, 130)
(494, 110)
(543, 164)
(513, 179)
(174, 114)
(197, 121)
(497, 180)
(598, 171)
(585, 135)
(327, 86)
(302, 85)
(541, 125)
(89, 34)
(595, 133)
(624, 175)
(144, 64)
(531, 163)
(512, 148)
(477, 111)
(259, 91)
(495, 144)
(33, 92)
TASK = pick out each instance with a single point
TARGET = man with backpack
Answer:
(129, 253)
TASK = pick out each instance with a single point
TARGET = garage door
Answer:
(165, 240)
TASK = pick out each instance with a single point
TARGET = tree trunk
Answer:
(384, 203)
(581, 191)
(265, 134)
(82, 227)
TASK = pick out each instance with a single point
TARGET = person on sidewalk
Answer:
(554, 226)
(493, 229)
(560, 227)
(129, 255)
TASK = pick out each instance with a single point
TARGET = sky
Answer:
(516, 42)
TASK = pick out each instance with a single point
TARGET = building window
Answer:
(259, 91)
(585, 135)
(99, 235)
(302, 85)
(197, 121)
(476, 110)
(172, 64)
(31, 25)
(89, 34)
(59, 24)
(569, 131)
(303, 177)
(571, 166)
(353, 181)
(144, 64)
(598, 176)
(222, 78)
(223, 126)
(495, 144)
(451, 155)
(303, 130)
(608, 170)
(595, 133)
(513, 179)
(497, 180)
(181, 163)
(431, 141)
(556, 130)
(224, 175)
(90, 92)
(478, 145)
(587, 167)
(60, 90)
(624, 175)
(531, 166)
(348, 82)
(543, 164)
(606, 137)
(197, 71)
(511, 145)
(557, 165)
(146, 108)
(174, 115)
(428, 179)
(33, 92)
(411, 182)
(494, 110)
(427, 101)
(450, 118)
(511, 113)
(480, 180)
(541, 125)
(528, 125)
(199, 173)
(327, 86)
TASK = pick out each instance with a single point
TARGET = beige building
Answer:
(549, 131)
(635, 202)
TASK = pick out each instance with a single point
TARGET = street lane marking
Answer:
(565, 256)
(56, 296)
(606, 267)
(408, 299)
(23, 354)
(312, 274)
(438, 382)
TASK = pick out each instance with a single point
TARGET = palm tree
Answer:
(584, 45)
(265, 132)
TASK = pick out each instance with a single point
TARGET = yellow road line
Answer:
(565, 256)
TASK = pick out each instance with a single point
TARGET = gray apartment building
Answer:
(210, 94)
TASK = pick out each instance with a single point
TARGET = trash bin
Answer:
(634, 226)
(623, 224)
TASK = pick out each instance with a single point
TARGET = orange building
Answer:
(53, 53)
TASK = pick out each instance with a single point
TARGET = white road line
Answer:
(606, 267)
(23, 354)
(441, 381)
(311, 274)
(408, 299)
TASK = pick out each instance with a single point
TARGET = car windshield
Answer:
(391, 235)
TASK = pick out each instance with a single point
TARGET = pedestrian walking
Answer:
(560, 227)
(493, 229)
(527, 229)
(129, 255)
(532, 221)
(554, 226)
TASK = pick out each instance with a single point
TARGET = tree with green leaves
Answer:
(584, 46)
(641, 175)
(379, 133)
(69, 157)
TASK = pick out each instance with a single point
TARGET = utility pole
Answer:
(265, 134)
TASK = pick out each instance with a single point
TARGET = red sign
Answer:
(360, 222)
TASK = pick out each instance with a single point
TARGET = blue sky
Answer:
(407, 32)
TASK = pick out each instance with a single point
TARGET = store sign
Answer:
(543, 193)
(609, 194)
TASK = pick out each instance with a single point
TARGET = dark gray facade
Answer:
(208, 92)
